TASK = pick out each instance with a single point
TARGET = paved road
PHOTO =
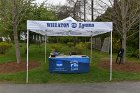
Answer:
(121, 87)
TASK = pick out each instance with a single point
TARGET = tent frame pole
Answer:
(27, 64)
(45, 48)
(91, 49)
(111, 57)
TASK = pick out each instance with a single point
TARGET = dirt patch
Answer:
(127, 67)
(12, 67)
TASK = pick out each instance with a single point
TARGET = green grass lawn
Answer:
(42, 75)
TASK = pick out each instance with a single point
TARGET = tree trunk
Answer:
(16, 40)
(124, 47)
(84, 10)
(92, 10)
(124, 26)
(16, 44)
(139, 37)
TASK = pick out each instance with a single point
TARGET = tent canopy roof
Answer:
(68, 27)
(68, 19)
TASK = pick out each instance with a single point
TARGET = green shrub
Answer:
(136, 53)
(4, 46)
(70, 44)
(116, 45)
(81, 46)
(56, 46)
(88, 45)
(131, 52)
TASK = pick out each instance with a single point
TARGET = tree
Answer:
(63, 11)
(124, 14)
(11, 14)
(79, 8)
(128, 16)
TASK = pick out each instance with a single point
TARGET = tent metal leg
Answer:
(45, 48)
(91, 51)
(111, 57)
(27, 64)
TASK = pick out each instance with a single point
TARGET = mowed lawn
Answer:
(42, 75)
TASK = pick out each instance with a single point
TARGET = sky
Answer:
(54, 2)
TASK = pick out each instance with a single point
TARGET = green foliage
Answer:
(80, 47)
(41, 12)
(28, 9)
(133, 41)
(116, 45)
(70, 44)
(56, 46)
(88, 45)
(62, 48)
(131, 52)
(136, 53)
(66, 39)
(4, 46)
(1, 40)
(83, 45)
(63, 39)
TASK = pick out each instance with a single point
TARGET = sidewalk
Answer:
(121, 87)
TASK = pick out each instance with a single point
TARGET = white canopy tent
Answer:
(68, 27)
